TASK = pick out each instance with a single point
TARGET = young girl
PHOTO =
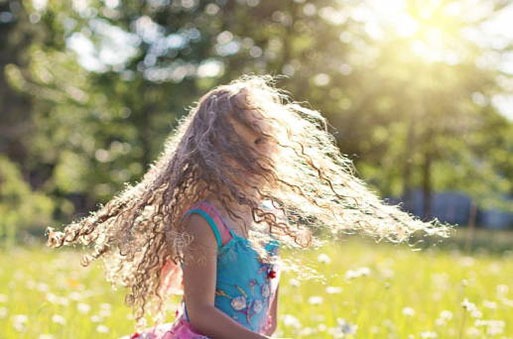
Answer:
(247, 171)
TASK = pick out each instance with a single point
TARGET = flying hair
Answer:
(311, 188)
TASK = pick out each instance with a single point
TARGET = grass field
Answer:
(370, 290)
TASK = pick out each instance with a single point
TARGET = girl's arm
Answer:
(273, 312)
(199, 274)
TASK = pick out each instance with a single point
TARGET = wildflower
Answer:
(473, 332)
(102, 329)
(104, 312)
(105, 306)
(75, 296)
(346, 328)
(42, 287)
(291, 321)
(443, 318)
(3, 312)
(73, 283)
(493, 327)
(315, 300)
(83, 308)
(333, 290)
(359, 272)
(446, 315)
(19, 322)
(502, 290)
(51, 298)
(54, 299)
(428, 335)
(387, 273)
(408, 311)
(96, 318)
(58, 319)
(507, 302)
(441, 280)
(476, 314)
(469, 306)
(495, 268)
(490, 304)
(306, 332)
(324, 258)
(467, 261)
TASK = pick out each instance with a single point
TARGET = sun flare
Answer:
(430, 29)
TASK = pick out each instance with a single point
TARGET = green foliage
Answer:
(425, 119)
(93, 89)
(21, 209)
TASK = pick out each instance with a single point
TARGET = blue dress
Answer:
(245, 285)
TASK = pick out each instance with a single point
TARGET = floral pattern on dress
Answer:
(266, 291)
(239, 303)
(249, 304)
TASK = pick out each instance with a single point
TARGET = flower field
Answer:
(357, 290)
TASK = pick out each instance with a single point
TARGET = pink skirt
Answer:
(180, 329)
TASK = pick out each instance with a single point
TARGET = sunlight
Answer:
(439, 31)
(430, 26)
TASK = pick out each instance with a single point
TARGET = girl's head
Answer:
(245, 143)
(232, 137)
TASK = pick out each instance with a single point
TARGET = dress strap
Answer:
(213, 218)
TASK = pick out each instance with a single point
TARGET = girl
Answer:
(246, 170)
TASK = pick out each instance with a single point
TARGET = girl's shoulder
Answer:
(210, 215)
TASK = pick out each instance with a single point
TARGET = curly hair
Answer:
(310, 184)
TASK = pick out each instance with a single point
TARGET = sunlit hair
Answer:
(309, 183)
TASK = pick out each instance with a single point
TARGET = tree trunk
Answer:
(427, 188)
(407, 167)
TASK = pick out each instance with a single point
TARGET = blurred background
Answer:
(419, 94)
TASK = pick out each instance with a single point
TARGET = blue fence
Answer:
(455, 207)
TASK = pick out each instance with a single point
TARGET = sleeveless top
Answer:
(245, 285)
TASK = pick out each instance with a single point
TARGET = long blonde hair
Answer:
(311, 184)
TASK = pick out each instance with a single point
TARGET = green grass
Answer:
(399, 293)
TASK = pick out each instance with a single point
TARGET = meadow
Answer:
(348, 289)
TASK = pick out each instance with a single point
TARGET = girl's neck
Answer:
(237, 216)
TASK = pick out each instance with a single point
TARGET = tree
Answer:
(107, 81)
(16, 36)
(423, 105)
